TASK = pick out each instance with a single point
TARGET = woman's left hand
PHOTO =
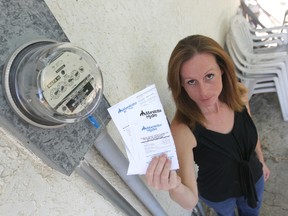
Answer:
(266, 171)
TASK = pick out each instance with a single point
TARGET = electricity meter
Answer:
(50, 84)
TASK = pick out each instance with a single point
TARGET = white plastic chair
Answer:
(256, 38)
(260, 79)
(279, 65)
(248, 74)
(243, 43)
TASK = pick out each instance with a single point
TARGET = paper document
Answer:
(144, 129)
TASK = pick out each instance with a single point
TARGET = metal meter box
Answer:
(45, 117)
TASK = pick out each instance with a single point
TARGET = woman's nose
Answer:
(202, 90)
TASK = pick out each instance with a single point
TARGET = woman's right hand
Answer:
(159, 175)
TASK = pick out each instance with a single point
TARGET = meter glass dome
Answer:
(50, 84)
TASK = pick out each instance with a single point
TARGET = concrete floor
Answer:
(273, 132)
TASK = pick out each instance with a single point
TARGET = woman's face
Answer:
(201, 77)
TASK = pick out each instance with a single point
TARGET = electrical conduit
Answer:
(112, 154)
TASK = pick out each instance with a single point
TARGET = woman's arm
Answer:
(181, 185)
(187, 193)
(266, 171)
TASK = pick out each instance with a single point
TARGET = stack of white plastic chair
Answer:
(258, 80)
(260, 69)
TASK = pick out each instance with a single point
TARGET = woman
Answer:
(212, 127)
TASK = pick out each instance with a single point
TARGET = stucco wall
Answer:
(132, 41)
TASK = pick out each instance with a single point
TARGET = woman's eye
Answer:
(210, 76)
(191, 82)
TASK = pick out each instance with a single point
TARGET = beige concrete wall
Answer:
(132, 41)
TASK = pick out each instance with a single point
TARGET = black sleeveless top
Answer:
(228, 165)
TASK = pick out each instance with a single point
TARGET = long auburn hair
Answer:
(187, 111)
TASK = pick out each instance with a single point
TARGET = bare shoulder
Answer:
(182, 134)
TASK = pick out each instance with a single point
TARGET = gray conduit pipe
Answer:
(112, 154)
(103, 187)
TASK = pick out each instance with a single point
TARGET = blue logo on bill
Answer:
(151, 128)
(130, 106)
